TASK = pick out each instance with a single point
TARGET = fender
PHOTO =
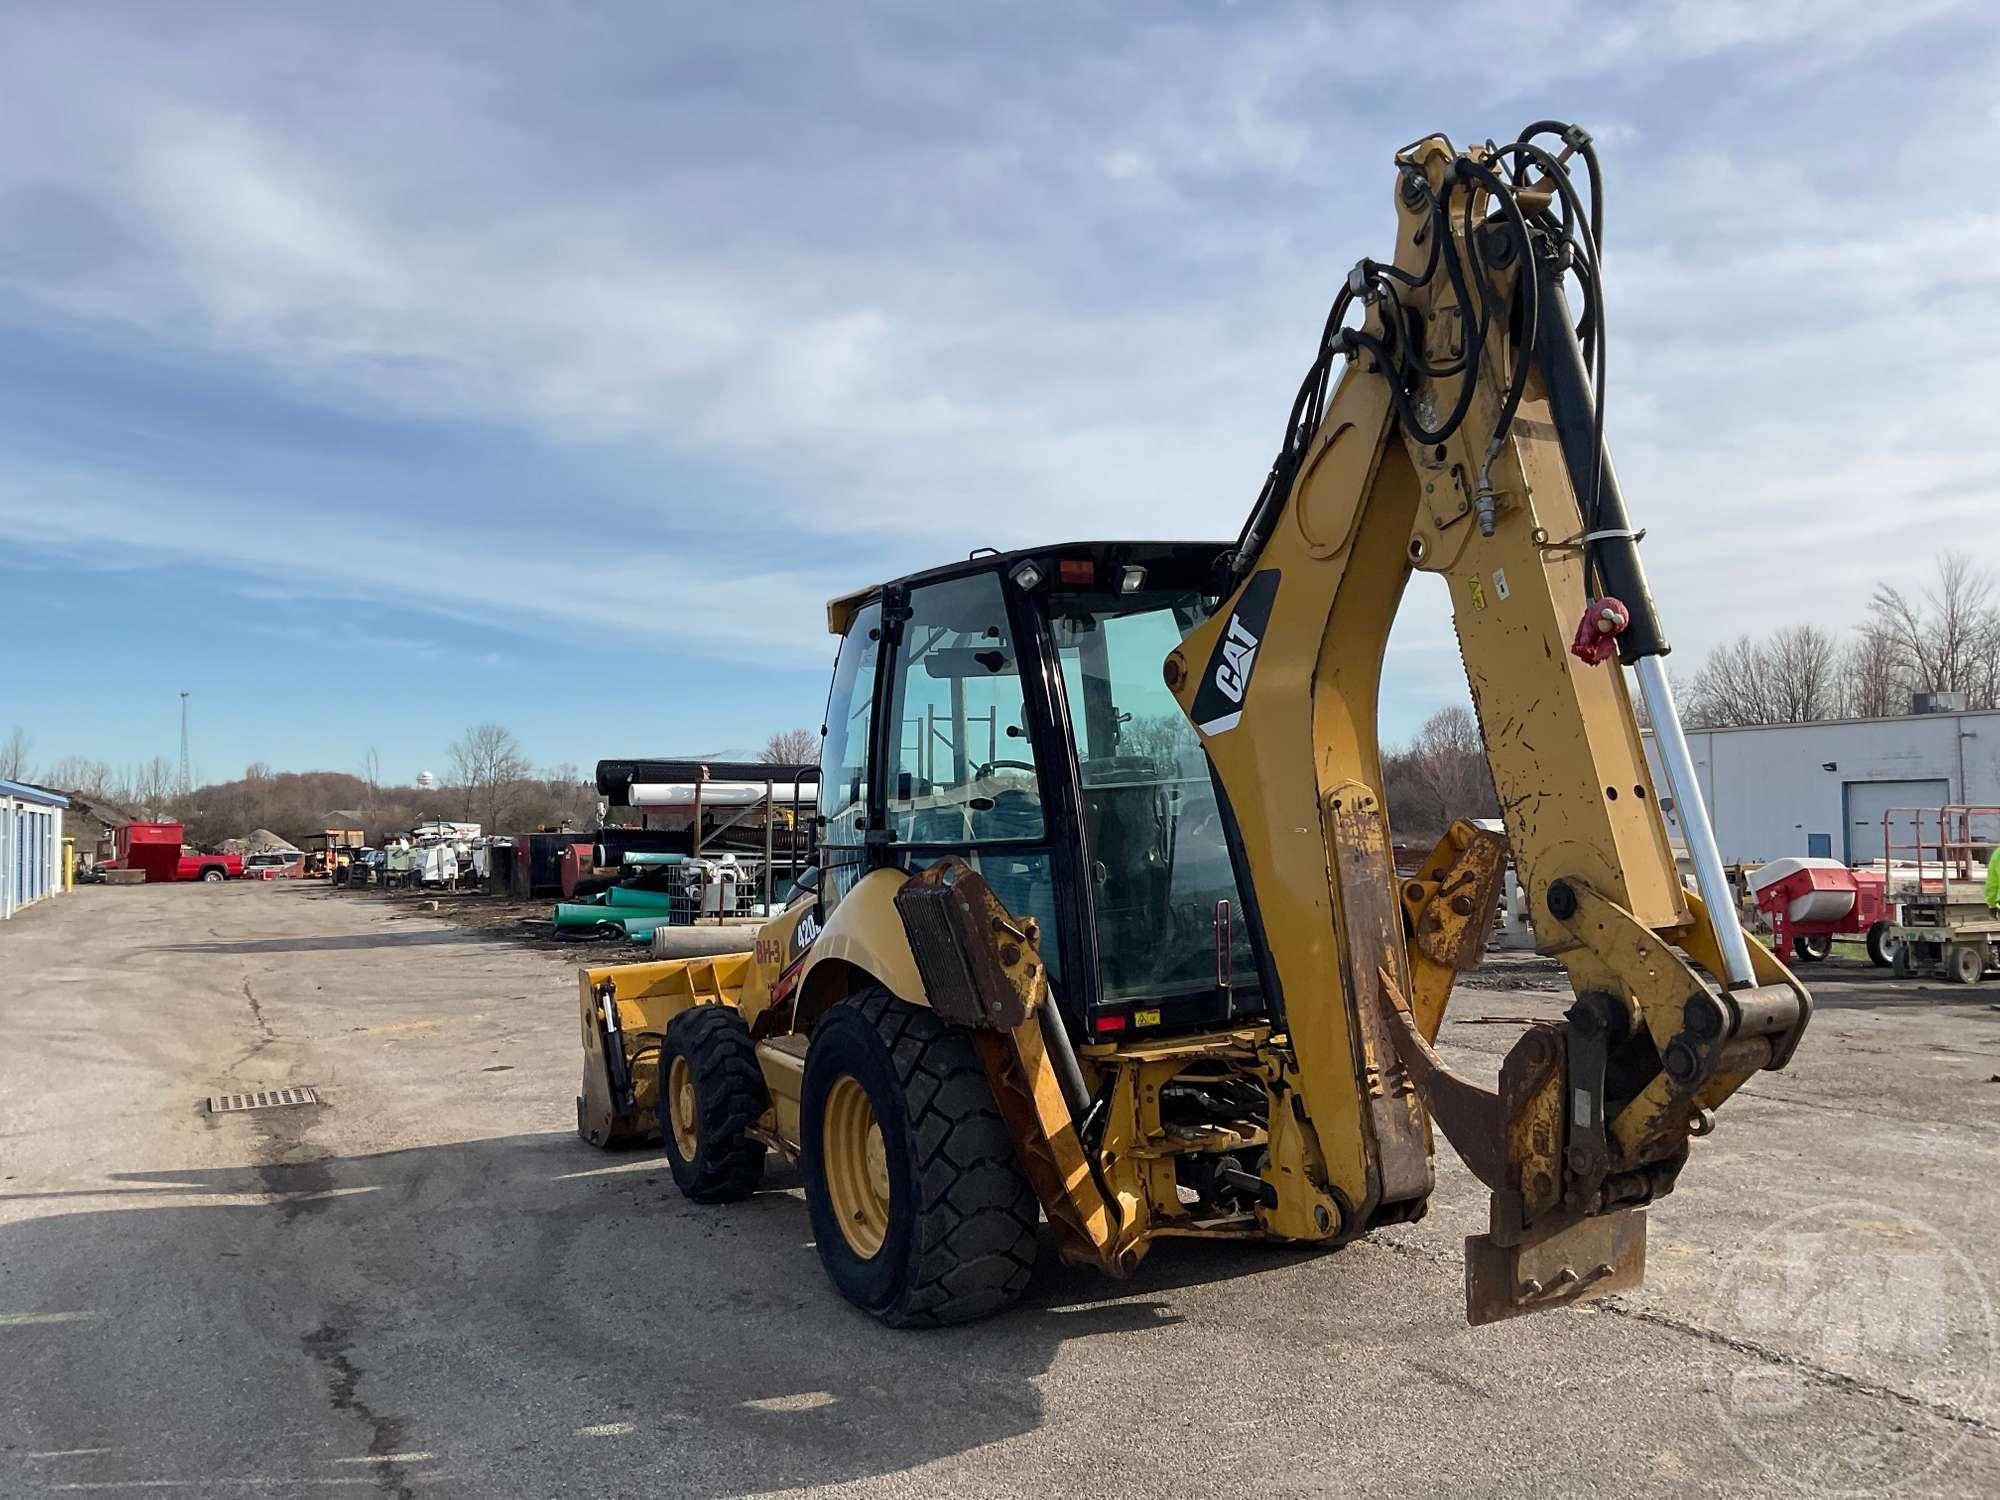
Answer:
(862, 943)
(776, 960)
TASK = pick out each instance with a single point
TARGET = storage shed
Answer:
(31, 844)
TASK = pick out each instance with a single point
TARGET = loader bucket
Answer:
(625, 1009)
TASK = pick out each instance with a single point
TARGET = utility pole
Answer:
(187, 774)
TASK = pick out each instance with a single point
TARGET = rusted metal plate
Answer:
(1532, 1100)
(1455, 924)
(236, 1104)
(1372, 924)
(979, 963)
(1600, 1255)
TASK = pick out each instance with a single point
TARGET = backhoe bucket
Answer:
(1558, 1231)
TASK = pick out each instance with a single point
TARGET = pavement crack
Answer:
(1825, 1375)
(330, 1345)
(1834, 1379)
(257, 1013)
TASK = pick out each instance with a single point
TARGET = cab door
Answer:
(847, 783)
(961, 771)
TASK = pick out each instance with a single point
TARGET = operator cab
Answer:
(1011, 709)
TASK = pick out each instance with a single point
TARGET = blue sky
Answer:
(374, 371)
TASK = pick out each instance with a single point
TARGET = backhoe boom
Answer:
(1461, 438)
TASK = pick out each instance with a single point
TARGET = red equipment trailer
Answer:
(1812, 901)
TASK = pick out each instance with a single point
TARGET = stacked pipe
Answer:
(635, 906)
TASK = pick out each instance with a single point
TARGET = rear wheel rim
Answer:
(856, 1161)
(682, 1111)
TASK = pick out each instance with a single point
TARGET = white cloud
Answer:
(908, 301)
(641, 592)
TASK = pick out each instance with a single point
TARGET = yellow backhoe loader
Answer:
(1105, 926)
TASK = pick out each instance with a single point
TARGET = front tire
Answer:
(711, 1093)
(1882, 946)
(920, 1210)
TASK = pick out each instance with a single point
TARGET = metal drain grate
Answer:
(229, 1104)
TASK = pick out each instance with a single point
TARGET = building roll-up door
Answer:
(1867, 801)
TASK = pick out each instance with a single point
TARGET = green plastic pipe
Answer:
(630, 896)
(637, 857)
(572, 914)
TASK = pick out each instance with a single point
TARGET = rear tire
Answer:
(711, 1093)
(214, 875)
(1881, 946)
(1965, 963)
(920, 1210)
(1812, 949)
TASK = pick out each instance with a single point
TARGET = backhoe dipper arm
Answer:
(1452, 428)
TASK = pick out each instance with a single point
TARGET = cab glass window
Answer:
(1170, 918)
(843, 787)
(961, 768)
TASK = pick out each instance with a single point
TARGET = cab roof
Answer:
(1198, 556)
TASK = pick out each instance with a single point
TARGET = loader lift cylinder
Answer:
(1614, 554)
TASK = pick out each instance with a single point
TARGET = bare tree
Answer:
(1440, 775)
(1983, 682)
(791, 747)
(1944, 639)
(1730, 686)
(151, 785)
(485, 763)
(1803, 662)
(1872, 672)
(1677, 684)
(1948, 637)
(93, 779)
(1793, 676)
(567, 798)
(14, 755)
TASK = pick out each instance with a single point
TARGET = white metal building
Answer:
(31, 847)
(1822, 789)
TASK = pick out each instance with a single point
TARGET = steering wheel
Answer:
(986, 768)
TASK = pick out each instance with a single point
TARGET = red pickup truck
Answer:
(157, 849)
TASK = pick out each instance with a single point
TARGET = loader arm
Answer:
(1448, 425)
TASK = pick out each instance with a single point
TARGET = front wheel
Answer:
(1882, 946)
(711, 1093)
(1813, 949)
(919, 1208)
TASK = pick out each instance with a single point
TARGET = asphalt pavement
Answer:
(428, 1285)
